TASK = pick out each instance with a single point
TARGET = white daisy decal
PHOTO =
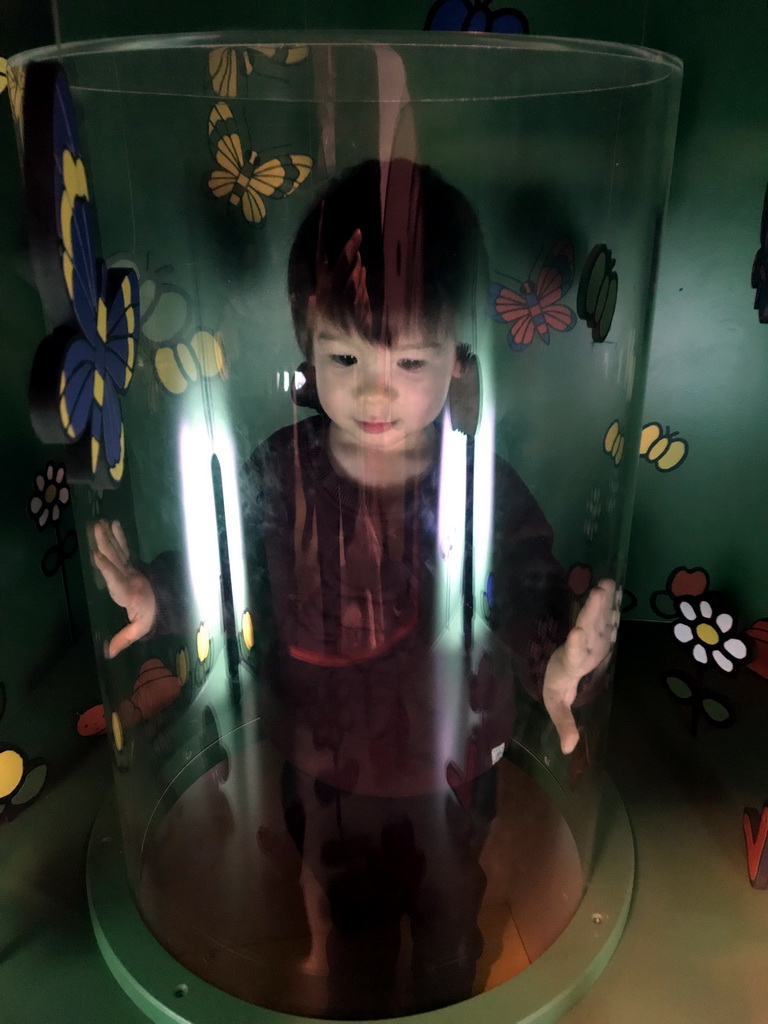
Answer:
(711, 634)
(50, 496)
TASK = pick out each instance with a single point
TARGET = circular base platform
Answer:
(165, 991)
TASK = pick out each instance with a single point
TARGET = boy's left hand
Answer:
(585, 648)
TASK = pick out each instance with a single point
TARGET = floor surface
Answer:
(695, 950)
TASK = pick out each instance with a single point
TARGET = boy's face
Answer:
(379, 396)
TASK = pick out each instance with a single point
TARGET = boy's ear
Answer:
(463, 357)
(305, 394)
(464, 393)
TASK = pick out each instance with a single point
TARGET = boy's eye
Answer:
(411, 364)
(342, 360)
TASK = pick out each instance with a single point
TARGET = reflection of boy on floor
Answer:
(389, 785)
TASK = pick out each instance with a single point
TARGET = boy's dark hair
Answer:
(389, 246)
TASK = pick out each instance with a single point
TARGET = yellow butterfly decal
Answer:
(177, 366)
(181, 355)
(662, 447)
(613, 442)
(226, 63)
(243, 181)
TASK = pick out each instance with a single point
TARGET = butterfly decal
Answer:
(92, 722)
(490, 611)
(760, 267)
(80, 370)
(243, 181)
(535, 308)
(461, 778)
(21, 777)
(662, 447)
(181, 356)
(613, 442)
(474, 16)
(189, 361)
(227, 63)
(755, 825)
(598, 289)
(758, 632)
(155, 687)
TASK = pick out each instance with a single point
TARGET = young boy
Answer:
(389, 780)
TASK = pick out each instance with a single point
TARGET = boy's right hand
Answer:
(127, 586)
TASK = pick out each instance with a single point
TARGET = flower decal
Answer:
(710, 634)
(46, 506)
(50, 496)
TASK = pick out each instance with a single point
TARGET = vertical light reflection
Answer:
(200, 521)
(195, 450)
(451, 510)
(448, 726)
(482, 527)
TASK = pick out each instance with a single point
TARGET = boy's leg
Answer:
(447, 941)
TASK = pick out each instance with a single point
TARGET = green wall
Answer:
(709, 352)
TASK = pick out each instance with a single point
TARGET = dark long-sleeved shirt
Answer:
(368, 685)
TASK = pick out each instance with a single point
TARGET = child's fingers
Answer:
(113, 575)
(565, 724)
(128, 635)
(598, 613)
(106, 544)
(577, 643)
(120, 542)
(351, 250)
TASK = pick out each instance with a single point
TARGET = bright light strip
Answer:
(485, 475)
(202, 546)
(200, 522)
(451, 512)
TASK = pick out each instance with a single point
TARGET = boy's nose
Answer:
(375, 381)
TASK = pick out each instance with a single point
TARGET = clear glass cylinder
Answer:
(360, 381)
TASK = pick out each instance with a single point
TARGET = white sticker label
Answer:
(497, 753)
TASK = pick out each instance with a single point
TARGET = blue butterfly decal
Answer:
(474, 16)
(490, 610)
(760, 267)
(80, 370)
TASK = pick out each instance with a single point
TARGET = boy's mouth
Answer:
(374, 426)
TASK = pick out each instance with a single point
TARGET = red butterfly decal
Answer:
(756, 835)
(535, 309)
(461, 780)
